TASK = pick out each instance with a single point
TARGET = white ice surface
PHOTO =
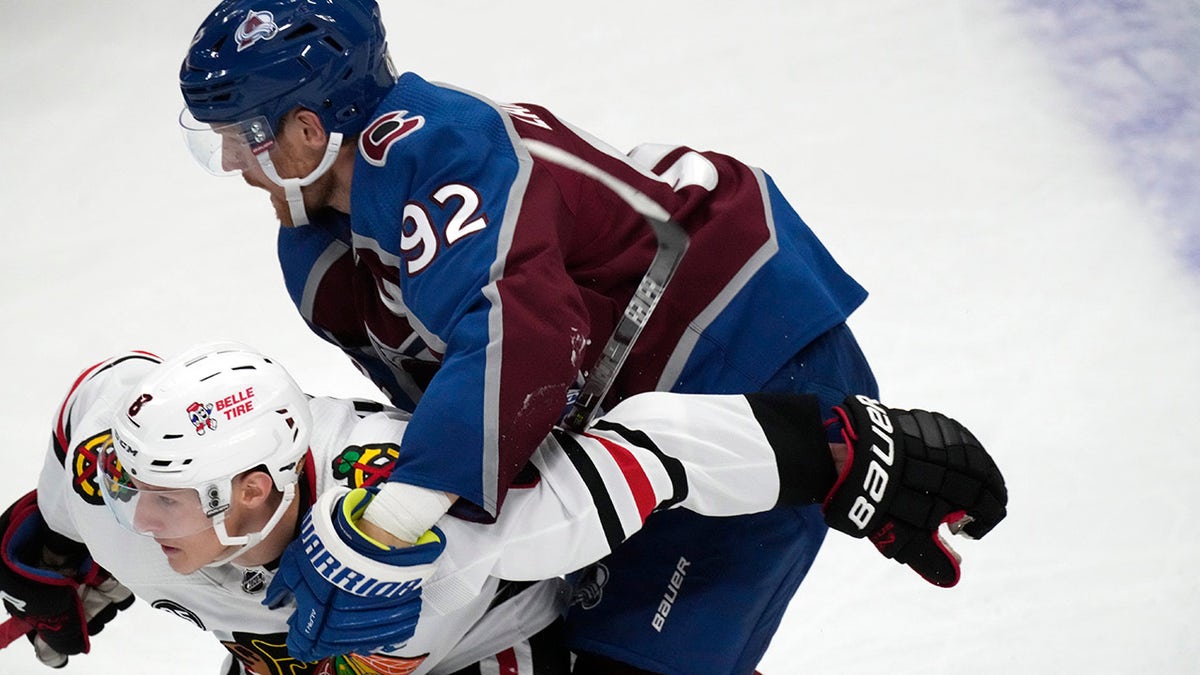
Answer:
(970, 162)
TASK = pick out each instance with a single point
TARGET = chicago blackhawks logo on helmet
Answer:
(365, 466)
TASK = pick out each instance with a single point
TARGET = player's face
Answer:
(292, 160)
(243, 147)
(162, 513)
(235, 154)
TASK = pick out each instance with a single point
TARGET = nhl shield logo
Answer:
(256, 26)
(253, 581)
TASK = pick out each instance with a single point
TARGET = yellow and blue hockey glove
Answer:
(352, 593)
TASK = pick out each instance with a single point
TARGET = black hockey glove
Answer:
(907, 473)
(50, 583)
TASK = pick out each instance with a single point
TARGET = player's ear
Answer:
(307, 127)
(253, 488)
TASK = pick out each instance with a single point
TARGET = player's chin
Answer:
(181, 562)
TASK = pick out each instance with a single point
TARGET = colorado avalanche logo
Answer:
(378, 138)
(201, 416)
(257, 26)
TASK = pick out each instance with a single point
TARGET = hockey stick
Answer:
(672, 244)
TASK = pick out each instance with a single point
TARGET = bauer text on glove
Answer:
(907, 473)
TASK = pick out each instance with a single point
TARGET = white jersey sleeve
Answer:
(582, 495)
(593, 490)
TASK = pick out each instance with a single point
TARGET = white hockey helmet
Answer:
(195, 423)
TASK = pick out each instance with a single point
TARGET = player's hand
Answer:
(51, 585)
(907, 473)
(352, 593)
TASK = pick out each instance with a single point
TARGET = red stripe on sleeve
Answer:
(507, 662)
(635, 476)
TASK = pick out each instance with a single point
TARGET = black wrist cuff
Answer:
(795, 430)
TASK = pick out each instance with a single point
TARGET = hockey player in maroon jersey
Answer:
(428, 232)
(132, 493)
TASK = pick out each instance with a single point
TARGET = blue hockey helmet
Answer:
(254, 61)
(264, 58)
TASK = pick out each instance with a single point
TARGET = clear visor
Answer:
(226, 149)
(162, 513)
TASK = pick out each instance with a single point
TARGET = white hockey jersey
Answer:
(582, 495)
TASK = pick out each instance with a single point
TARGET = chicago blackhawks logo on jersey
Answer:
(378, 138)
(381, 664)
(267, 654)
(365, 466)
(83, 467)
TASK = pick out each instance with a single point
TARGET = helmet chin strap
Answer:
(291, 186)
(248, 541)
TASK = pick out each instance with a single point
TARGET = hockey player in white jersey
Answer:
(192, 519)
